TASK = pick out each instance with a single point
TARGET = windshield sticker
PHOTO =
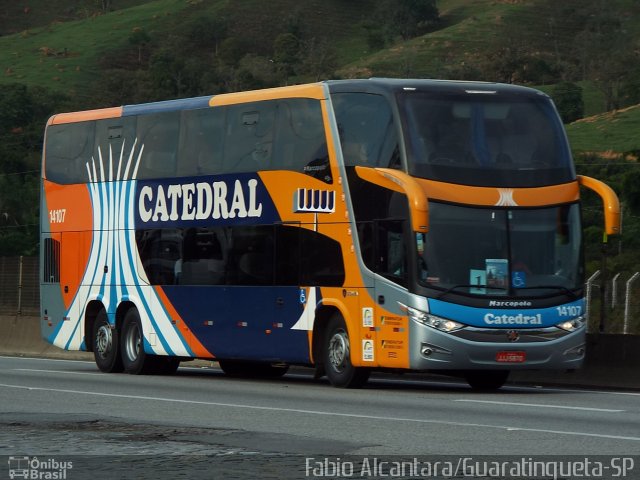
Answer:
(518, 279)
(479, 278)
(497, 273)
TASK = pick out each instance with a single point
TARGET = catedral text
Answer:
(519, 319)
(199, 201)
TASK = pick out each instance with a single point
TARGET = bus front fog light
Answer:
(578, 351)
(428, 350)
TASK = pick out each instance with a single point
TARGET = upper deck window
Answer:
(283, 134)
(485, 139)
(367, 131)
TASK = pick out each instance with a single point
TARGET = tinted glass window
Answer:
(485, 139)
(367, 132)
(301, 144)
(491, 251)
(321, 259)
(283, 134)
(247, 255)
(202, 142)
(158, 133)
(248, 142)
(68, 149)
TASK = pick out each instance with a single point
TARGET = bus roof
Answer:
(371, 85)
(382, 85)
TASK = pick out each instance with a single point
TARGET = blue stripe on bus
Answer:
(507, 317)
(166, 106)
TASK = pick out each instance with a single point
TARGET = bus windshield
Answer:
(489, 251)
(485, 139)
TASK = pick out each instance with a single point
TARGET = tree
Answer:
(568, 99)
(407, 18)
(631, 190)
(319, 59)
(139, 38)
(285, 52)
(607, 45)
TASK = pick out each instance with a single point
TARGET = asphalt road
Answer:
(68, 409)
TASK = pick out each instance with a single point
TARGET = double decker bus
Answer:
(347, 225)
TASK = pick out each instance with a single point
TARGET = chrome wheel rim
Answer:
(104, 340)
(339, 350)
(132, 343)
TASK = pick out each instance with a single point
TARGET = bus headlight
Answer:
(442, 324)
(571, 325)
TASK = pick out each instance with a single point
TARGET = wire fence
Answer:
(620, 312)
(19, 286)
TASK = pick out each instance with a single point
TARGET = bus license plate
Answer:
(511, 357)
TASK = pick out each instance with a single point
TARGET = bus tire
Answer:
(248, 369)
(106, 345)
(337, 356)
(486, 380)
(135, 360)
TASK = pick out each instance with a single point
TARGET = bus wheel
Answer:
(105, 345)
(240, 368)
(134, 358)
(486, 379)
(337, 357)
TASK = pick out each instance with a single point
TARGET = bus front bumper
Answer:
(496, 349)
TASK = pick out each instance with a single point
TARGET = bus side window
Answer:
(112, 134)
(68, 150)
(368, 135)
(159, 135)
(201, 142)
(321, 259)
(391, 258)
(301, 144)
(249, 137)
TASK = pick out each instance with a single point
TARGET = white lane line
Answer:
(55, 371)
(322, 413)
(507, 387)
(538, 405)
(41, 359)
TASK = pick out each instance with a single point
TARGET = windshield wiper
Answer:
(569, 292)
(455, 287)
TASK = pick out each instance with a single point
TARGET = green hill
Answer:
(65, 56)
(617, 131)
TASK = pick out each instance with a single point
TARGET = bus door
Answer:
(390, 288)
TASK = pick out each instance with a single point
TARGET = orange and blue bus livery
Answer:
(348, 225)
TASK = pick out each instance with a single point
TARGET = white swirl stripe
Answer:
(114, 271)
